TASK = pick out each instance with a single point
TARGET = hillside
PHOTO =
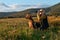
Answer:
(55, 10)
(32, 11)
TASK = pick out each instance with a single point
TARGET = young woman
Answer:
(42, 17)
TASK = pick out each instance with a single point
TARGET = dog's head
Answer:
(28, 16)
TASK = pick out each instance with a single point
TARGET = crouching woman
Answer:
(43, 19)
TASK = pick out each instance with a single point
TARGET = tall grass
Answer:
(17, 29)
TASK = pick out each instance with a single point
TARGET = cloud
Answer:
(7, 8)
(16, 7)
(2, 4)
(33, 6)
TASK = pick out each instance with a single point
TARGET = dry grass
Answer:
(17, 29)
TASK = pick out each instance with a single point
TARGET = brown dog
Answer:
(31, 22)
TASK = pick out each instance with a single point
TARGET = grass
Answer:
(17, 29)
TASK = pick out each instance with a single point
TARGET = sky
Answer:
(18, 5)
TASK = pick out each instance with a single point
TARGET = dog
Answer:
(32, 23)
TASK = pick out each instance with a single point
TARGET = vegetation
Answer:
(17, 29)
(13, 27)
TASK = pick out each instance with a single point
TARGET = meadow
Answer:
(17, 29)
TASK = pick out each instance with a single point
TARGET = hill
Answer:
(55, 10)
(32, 11)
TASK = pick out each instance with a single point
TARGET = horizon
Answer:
(17, 5)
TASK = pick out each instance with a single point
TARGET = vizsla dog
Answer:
(31, 22)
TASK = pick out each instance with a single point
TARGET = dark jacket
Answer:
(44, 22)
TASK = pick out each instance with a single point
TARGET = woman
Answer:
(42, 17)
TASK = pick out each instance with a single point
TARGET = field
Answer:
(17, 29)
